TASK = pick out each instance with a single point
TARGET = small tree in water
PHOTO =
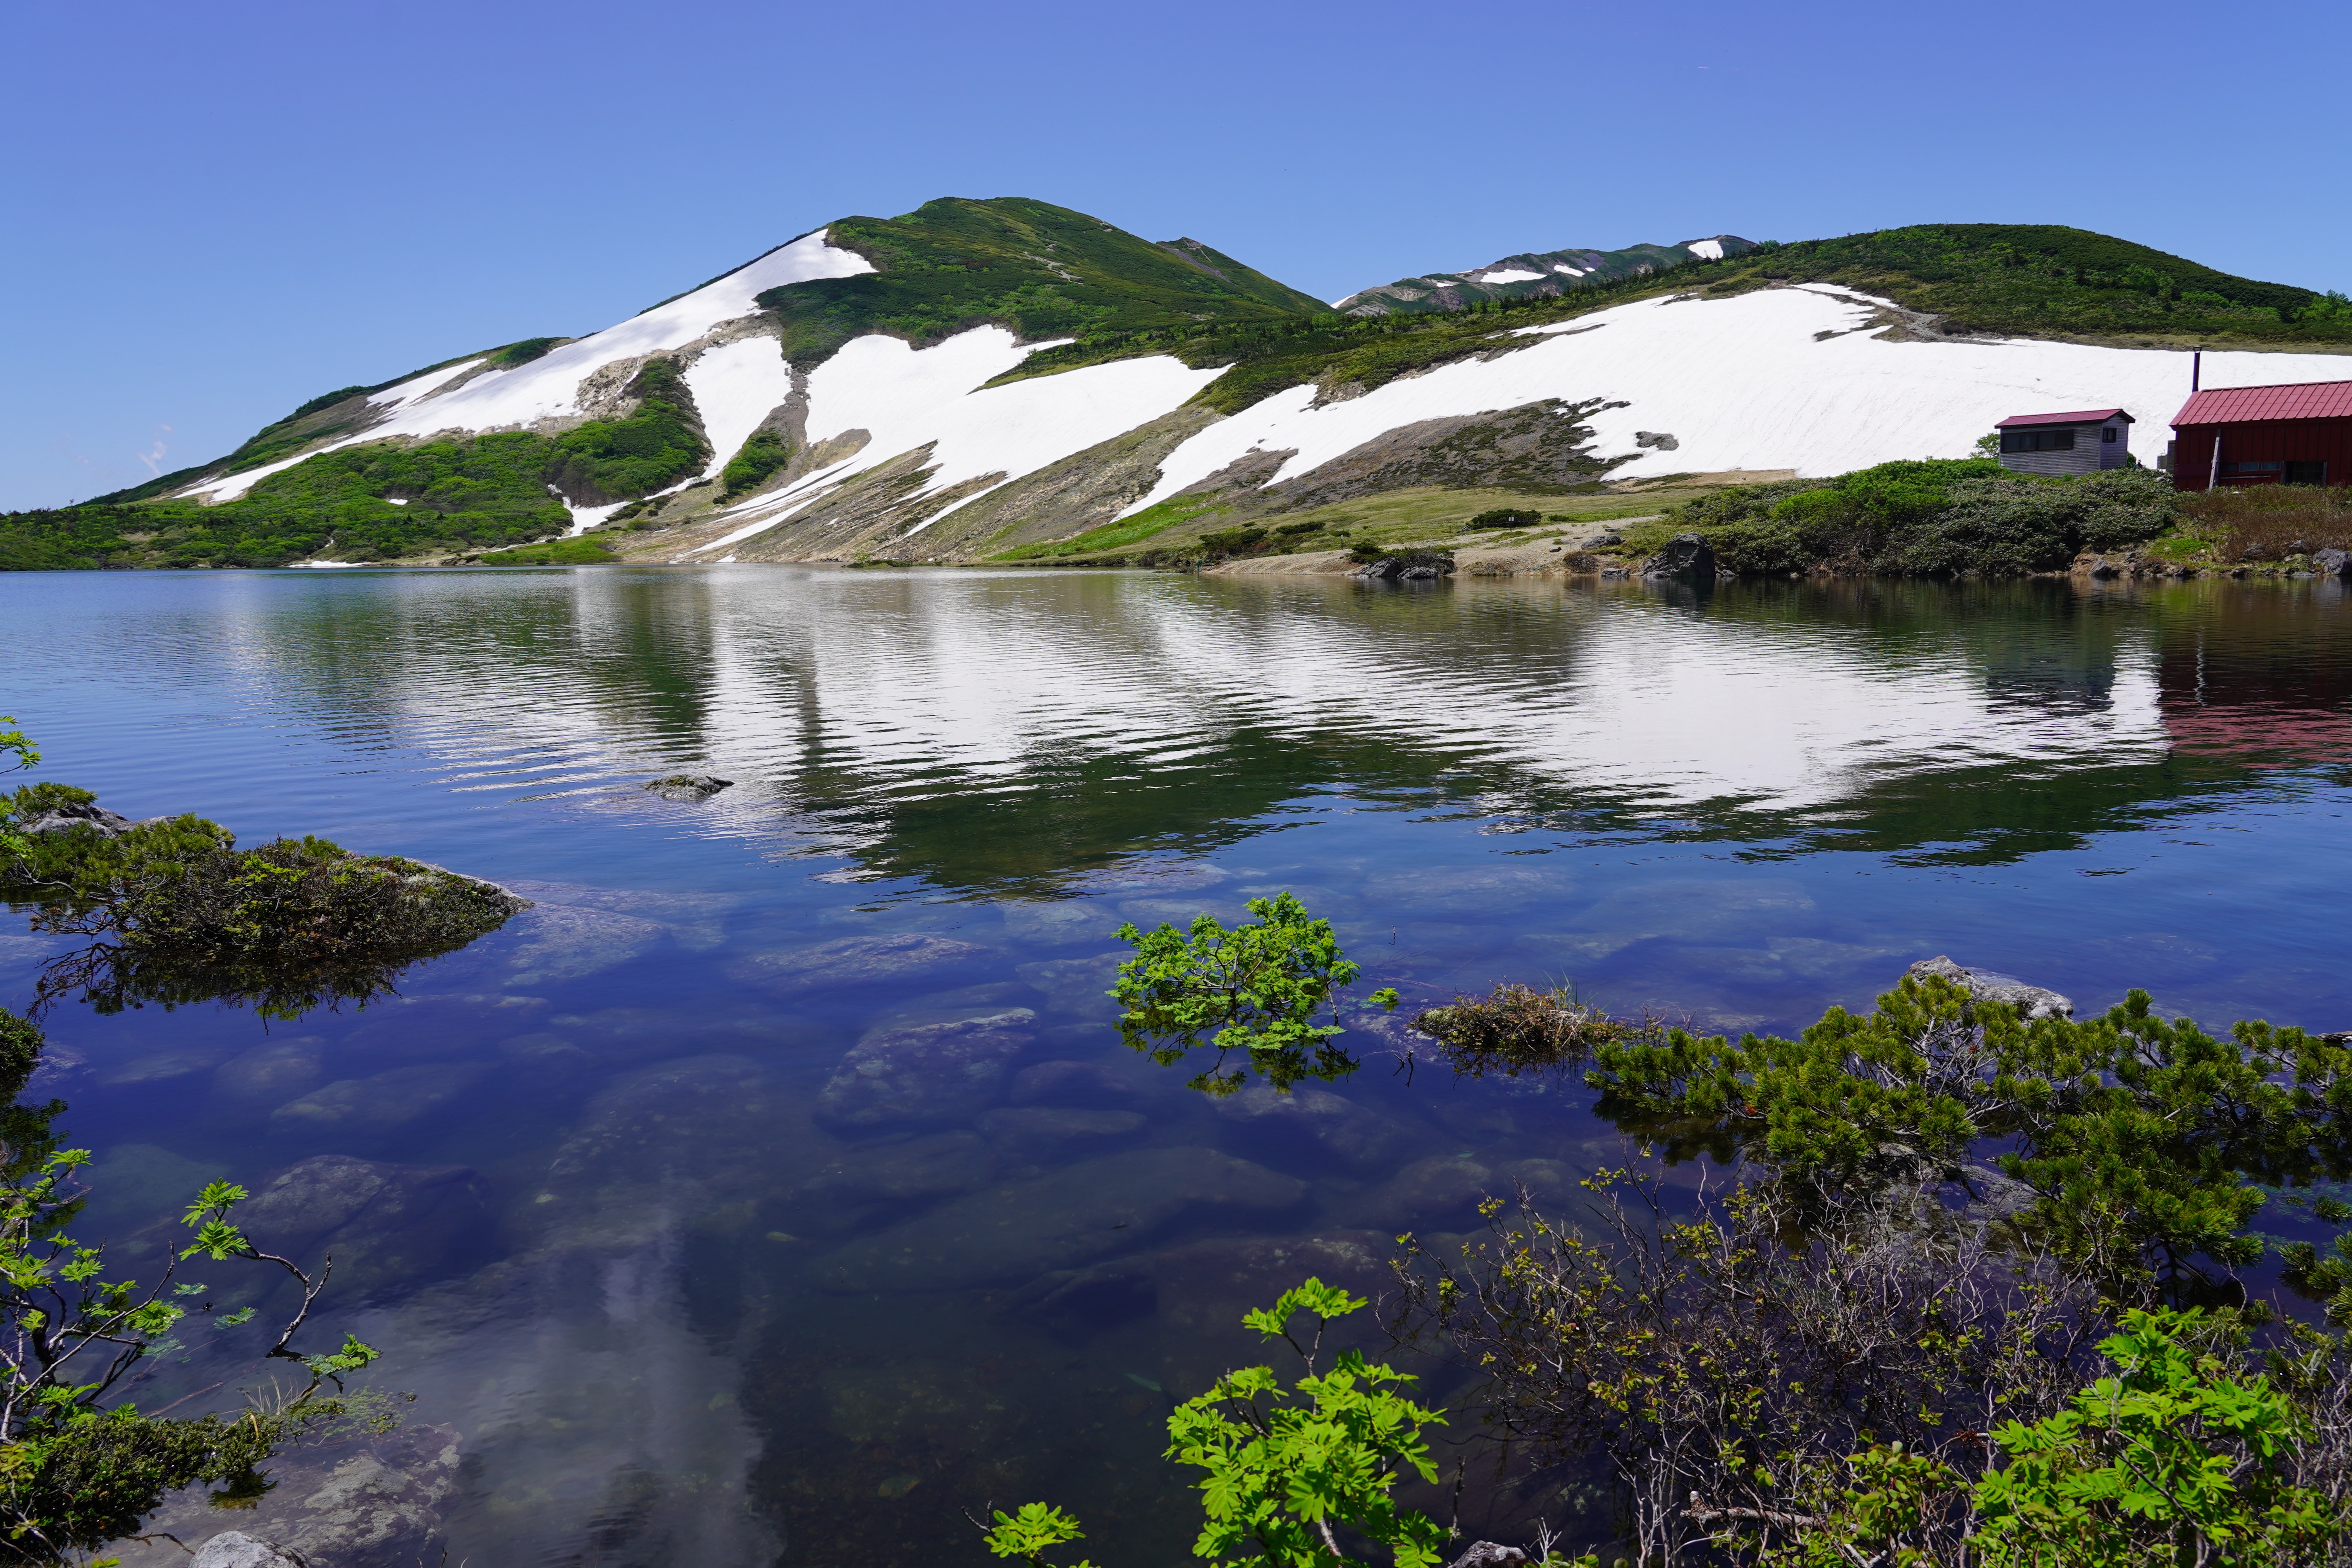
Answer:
(1258, 989)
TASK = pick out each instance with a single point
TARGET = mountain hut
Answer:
(2082, 442)
(2231, 437)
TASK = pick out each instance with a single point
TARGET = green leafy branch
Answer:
(1258, 989)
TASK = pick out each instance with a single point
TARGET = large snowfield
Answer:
(1744, 384)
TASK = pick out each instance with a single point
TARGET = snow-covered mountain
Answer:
(983, 379)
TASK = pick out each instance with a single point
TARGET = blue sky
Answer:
(218, 211)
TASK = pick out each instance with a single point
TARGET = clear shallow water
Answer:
(668, 1311)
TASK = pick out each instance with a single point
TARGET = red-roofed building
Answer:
(2082, 442)
(2296, 434)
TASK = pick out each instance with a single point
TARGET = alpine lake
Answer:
(689, 1254)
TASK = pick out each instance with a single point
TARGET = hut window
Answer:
(2042, 440)
(2306, 473)
(2108, 435)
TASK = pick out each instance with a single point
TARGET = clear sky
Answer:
(216, 211)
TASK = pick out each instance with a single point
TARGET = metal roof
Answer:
(2079, 416)
(2292, 400)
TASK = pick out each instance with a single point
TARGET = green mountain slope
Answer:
(1043, 271)
(2044, 281)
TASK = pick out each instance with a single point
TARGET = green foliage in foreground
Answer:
(1256, 989)
(2174, 1457)
(1930, 517)
(180, 914)
(80, 1467)
(1283, 1478)
(2144, 1142)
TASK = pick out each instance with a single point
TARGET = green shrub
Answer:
(607, 460)
(1243, 540)
(1502, 517)
(1256, 989)
(765, 452)
(1940, 517)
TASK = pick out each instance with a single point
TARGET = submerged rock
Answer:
(932, 1074)
(235, 1548)
(1009, 1235)
(940, 1165)
(1074, 1083)
(1045, 1129)
(854, 960)
(561, 943)
(386, 1100)
(1205, 1287)
(384, 1225)
(2031, 1001)
(689, 786)
(1312, 1119)
(378, 1506)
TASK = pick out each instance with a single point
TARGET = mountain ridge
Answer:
(983, 376)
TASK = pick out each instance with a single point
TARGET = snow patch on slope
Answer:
(735, 386)
(1743, 383)
(1508, 275)
(549, 387)
(906, 396)
(1706, 249)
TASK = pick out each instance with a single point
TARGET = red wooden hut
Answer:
(2231, 437)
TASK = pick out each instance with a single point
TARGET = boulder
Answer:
(2333, 563)
(385, 1226)
(2031, 1001)
(561, 943)
(688, 788)
(65, 818)
(1077, 1215)
(855, 960)
(940, 1165)
(386, 1100)
(1686, 556)
(235, 1548)
(1443, 1192)
(933, 1075)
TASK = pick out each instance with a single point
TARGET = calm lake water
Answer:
(672, 1283)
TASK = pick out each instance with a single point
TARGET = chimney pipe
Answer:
(2196, 368)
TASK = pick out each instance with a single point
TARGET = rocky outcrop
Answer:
(235, 1548)
(2031, 1001)
(70, 815)
(688, 788)
(1687, 557)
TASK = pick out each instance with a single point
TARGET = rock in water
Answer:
(854, 960)
(931, 1075)
(235, 1548)
(687, 787)
(2031, 1001)
(1686, 555)
(2333, 563)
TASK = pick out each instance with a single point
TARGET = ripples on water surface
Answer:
(668, 1313)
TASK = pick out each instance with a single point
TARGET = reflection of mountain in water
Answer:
(985, 730)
